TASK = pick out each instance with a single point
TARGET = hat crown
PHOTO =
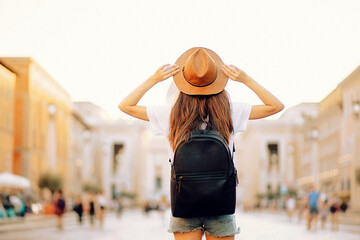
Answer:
(200, 69)
(201, 72)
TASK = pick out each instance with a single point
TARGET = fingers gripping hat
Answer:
(200, 72)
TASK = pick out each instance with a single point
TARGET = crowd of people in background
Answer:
(316, 208)
(326, 207)
(93, 206)
(88, 207)
(12, 205)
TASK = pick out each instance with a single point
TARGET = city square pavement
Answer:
(134, 225)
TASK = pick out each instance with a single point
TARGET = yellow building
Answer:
(309, 152)
(267, 157)
(80, 153)
(349, 160)
(329, 127)
(7, 86)
(332, 143)
(41, 122)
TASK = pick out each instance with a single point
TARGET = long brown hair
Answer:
(190, 112)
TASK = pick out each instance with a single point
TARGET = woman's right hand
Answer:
(129, 104)
(164, 72)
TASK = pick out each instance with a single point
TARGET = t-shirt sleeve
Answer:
(159, 119)
(240, 116)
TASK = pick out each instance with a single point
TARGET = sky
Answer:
(100, 50)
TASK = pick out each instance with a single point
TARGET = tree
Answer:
(357, 175)
(51, 181)
(92, 187)
(126, 194)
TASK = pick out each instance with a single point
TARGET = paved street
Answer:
(134, 225)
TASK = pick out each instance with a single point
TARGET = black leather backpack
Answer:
(203, 177)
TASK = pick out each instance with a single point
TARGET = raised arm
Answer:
(129, 104)
(271, 104)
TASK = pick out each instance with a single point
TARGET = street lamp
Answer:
(356, 107)
(314, 134)
(51, 109)
(356, 168)
(86, 134)
(356, 111)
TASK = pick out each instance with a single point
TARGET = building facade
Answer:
(41, 130)
(310, 144)
(113, 151)
(80, 154)
(157, 171)
(268, 154)
(7, 89)
(122, 156)
(329, 130)
(331, 141)
(349, 158)
(42, 113)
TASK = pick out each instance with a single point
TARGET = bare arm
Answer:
(271, 104)
(129, 104)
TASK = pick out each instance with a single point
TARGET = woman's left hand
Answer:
(234, 73)
(271, 104)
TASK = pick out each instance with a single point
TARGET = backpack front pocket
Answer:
(202, 194)
(191, 182)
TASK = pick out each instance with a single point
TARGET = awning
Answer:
(11, 180)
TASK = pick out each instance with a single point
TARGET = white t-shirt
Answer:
(159, 119)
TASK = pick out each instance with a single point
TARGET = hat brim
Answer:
(217, 86)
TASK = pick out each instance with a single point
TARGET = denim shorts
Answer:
(314, 210)
(218, 226)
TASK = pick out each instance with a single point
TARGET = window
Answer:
(158, 183)
(8, 165)
(114, 193)
(8, 121)
(158, 178)
(118, 150)
(273, 156)
(9, 92)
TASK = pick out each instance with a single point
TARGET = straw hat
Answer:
(200, 72)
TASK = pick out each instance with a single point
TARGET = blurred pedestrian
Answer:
(290, 207)
(60, 206)
(324, 209)
(19, 205)
(202, 104)
(92, 210)
(149, 206)
(344, 206)
(302, 207)
(79, 209)
(163, 206)
(334, 212)
(313, 198)
(9, 210)
(120, 207)
(102, 206)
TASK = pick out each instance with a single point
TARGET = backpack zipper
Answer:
(199, 177)
(236, 177)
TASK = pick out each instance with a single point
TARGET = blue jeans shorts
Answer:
(314, 210)
(218, 226)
